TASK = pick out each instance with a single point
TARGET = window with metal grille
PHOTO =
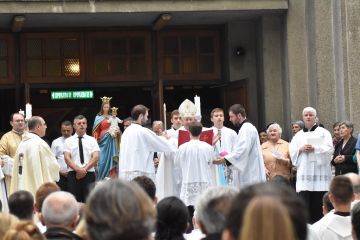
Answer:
(120, 56)
(189, 55)
(3, 59)
(50, 57)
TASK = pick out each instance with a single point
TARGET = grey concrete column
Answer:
(297, 64)
(323, 49)
(352, 19)
(272, 51)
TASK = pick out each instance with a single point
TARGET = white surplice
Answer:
(194, 160)
(167, 180)
(172, 133)
(247, 157)
(137, 148)
(225, 144)
(333, 227)
(3, 195)
(313, 168)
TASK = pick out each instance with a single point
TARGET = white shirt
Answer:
(313, 168)
(333, 227)
(57, 147)
(194, 159)
(89, 146)
(137, 148)
(247, 156)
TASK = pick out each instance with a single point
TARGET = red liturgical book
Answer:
(205, 136)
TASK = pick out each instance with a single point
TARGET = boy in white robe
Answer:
(224, 142)
(168, 177)
(194, 159)
(337, 224)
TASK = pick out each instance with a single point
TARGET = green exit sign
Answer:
(61, 95)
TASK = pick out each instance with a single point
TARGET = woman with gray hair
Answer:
(276, 153)
(297, 126)
(344, 150)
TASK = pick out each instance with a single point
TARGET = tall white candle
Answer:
(164, 116)
(28, 111)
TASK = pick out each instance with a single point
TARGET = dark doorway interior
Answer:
(56, 111)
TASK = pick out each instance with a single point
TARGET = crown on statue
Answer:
(105, 99)
(114, 109)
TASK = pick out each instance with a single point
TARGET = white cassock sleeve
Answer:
(241, 151)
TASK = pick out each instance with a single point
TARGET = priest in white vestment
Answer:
(311, 152)
(224, 142)
(138, 145)
(246, 155)
(194, 160)
(34, 162)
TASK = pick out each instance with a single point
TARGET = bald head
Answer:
(60, 209)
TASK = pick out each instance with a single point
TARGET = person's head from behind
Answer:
(355, 221)
(195, 129)
(7, 221)
(266, 217)
(212, 207)
(327, 205)
(60, 209)
(43, 191)
(172, 218)
(285, 195)
(148, 185)
(24, 230)
(21, 204)
(355, 181)
(341, 192)
(119, 210)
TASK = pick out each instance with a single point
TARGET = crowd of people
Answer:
(187, 182)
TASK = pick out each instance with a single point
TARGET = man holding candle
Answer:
(9, 144)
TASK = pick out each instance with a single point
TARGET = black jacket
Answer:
(56, 233)
(348, 151)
